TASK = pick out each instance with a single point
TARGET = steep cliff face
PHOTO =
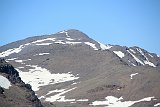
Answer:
(13, 91)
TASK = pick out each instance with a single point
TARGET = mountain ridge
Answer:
(78, 37)
(70, 69)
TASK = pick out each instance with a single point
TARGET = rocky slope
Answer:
(136, 56)
(69, 69)
(13, 91)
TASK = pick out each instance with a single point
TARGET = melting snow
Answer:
(58, 97)
(72, 43)
(11, 51)
(82, 100)
(17, 50)
(43, 44)
(147, 60)
(42, 40)
(104, 47)
(119, 53)
(132, 51)
(91, 44)
(20, 67)
(131, 63)
(133, 75)
(40, 76)
(55, 91)
(69, 39)
(136, 58)
(150, 55)
(11, 59)
(149, 63)
(42, 54)
(140, 51)
(4, 82)
(27, 44)
(112, 101)
(20, 61)
(65, 33)
(74, 83)
(158, 104)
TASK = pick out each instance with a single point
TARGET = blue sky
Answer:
(121, 22)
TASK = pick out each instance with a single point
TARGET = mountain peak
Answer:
(73, 33)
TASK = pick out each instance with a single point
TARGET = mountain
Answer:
(13, 91)
(69, 69)
(136, 56)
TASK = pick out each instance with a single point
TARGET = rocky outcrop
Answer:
(8, 71)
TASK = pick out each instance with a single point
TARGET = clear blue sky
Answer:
(121, 22)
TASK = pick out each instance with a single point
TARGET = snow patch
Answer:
(131, 63)
(27, 44)
(91, 44)
(147, 60)
(72, 43)
(55, 91)
(104, 47)
(132, 51)
(38, 76)
(20, 61)
(140, 51)
(43, 44)
(41, 97)
(150, 55)
(69, 39)
(112, 101)
(119, 53)
(41, 54)
(74, 83)
(149, 63)
(11, 51)
(11, 59)
(133, 75)
(65, 33)
(4, 82)
(59, 98)
(135, 58)
(20, 67)
(82, 100)
(158, 104)
(19, 49)
(42, 40)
